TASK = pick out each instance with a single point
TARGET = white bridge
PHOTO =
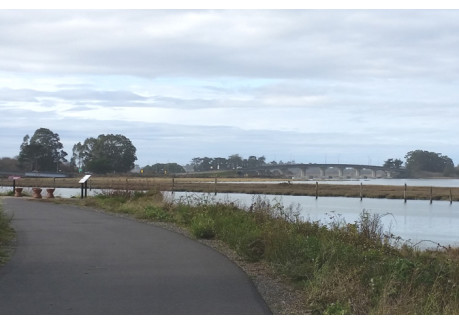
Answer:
(325, 171)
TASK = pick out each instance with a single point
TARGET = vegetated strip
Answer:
(6, 236)
(262, 186)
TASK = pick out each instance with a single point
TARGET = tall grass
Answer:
(6, 235)
(342, 268)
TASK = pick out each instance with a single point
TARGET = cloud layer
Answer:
(352, 86)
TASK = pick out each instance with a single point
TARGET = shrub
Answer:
(6, 235)
(156, 213)
(203, 226)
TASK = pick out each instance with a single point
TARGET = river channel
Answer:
(416, 221)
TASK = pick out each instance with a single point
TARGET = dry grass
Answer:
(243, 185)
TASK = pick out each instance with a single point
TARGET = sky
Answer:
(310, 86)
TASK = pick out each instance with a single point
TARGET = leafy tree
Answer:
(78, 155)
(9, 165)
(106, 153)
(42, 152)
(163, 169)
(234, 161)
(201, 164)
(219, 164)
(393, 164)
(418, 160)
(261, 160)
(252, 162)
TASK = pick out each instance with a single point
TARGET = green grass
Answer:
(341, 268)
(6, 235)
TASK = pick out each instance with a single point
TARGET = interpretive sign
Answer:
(85, 178)
(84, 183)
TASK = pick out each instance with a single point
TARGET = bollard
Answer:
(36, 193)
(18, 192)
(50, 193)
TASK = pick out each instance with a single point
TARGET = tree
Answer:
(42, 152)
(261, 160)
(234, 161)
(393, 164)
(418, 160)
(9, 164)
(106, 153)
(163, 169)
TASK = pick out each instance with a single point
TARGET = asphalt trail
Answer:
(72, 260)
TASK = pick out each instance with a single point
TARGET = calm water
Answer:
(416, 220)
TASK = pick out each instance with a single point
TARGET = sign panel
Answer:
(85, 178)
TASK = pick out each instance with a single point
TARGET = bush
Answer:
(156, 213)
(203, 226)
(6, 235)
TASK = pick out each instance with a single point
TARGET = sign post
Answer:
(14, 178)
(84, 183)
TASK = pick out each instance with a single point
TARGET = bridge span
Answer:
(325, 171)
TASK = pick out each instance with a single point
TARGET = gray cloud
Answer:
(290, 84)
(268, 44)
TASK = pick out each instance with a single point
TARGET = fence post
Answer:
(431, 195)
(317, 189)
(404, 193)
(361, 193)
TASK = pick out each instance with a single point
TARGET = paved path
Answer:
(72, 260)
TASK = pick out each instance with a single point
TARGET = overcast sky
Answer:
(313, 86)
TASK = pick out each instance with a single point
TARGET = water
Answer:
(59, 192)
(416, 221)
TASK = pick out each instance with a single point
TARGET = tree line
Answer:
(110, 153)
(420, 162)
(104, 154)
(233, 162)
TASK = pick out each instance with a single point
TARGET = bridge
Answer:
(324, 171)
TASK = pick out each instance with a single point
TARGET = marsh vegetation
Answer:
(245, 185)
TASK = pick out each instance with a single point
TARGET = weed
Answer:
(6, 235)
(203, 226)
(156, 213)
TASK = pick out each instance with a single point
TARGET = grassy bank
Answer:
(339, 269)
(6, 235)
